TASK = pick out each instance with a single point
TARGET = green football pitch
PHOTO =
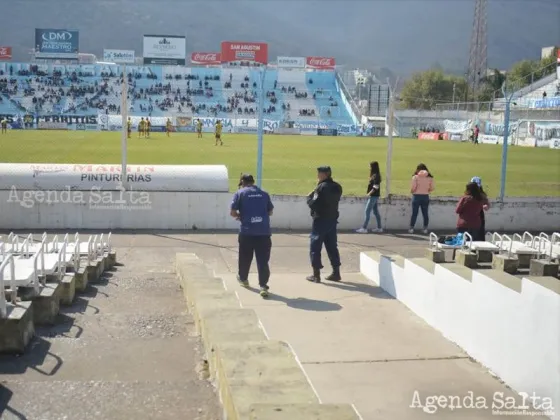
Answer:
(290, 161)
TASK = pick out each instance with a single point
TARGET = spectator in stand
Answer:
(469, 209)
(421, 187)
(475, 134)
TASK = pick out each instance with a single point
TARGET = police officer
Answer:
(253, 208)
(323, 202)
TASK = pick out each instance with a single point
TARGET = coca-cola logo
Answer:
(205, 57)
(320, 62)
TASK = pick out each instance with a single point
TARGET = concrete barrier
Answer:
(256, 378)
(209, 210)
(510, 325)
(17, 329)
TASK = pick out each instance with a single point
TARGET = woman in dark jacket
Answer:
(468, 210)
(373, 194)
(481, 235)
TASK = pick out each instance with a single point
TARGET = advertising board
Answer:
(119, 56)
(488, 139)
(291, 62)
(206, 58)
(165, 49)
(57, 44)
(320, 63)
(256, 52)
(428, 136)
(103, 177)
(5, 53)
(326, 132)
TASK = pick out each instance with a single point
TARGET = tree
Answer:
(528, 71)
(425, 89)
(491, 87)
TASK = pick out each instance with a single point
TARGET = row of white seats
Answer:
(467, 244)
(27, 263)
(541, 245)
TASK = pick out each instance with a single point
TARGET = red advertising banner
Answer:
(320, 63)
(206, 58)
(5, 53)
(245, 51)
(428, 136)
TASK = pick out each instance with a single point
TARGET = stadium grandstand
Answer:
(46, 92)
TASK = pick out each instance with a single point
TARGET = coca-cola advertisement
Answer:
(254, 52)
(320, 63)
(5, 53)
(206, 58)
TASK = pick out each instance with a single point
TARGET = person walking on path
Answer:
(373, 194)
(253, 208)
(323, 202)
(421, 187)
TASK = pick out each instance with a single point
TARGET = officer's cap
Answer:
(246, 179)
(324, 169)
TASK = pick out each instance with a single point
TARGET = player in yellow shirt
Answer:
(129, 127)
(218, 133)
(141, 127)
(168, 127)
(199, 128)
(148, 127)
(4, 126)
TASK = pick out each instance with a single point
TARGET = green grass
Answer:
(290, 161)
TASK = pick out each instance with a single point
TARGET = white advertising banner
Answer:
(165, 49)
(546, 134)
(452, 126)
(87, 177)
(488, 139)
(291, 62)
(119, 56)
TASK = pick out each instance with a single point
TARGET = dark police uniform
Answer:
(323, 202)
(254, 207)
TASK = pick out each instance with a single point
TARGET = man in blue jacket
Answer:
(253, 208)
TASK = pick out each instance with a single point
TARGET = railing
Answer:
(13, 292)
(348, 99)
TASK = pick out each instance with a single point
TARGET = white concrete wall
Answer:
(183, 210)
(516, 334)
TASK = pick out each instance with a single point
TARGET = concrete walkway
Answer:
(124, 350)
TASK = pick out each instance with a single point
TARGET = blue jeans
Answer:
(420, 202)
(323, 231)
(371, 207)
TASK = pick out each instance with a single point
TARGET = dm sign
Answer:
(57, 43)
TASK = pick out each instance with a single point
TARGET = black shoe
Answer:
(334, 276)
(316, 277)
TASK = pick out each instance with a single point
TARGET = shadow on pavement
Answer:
(306, 304)
(5, 410)
(373, 291)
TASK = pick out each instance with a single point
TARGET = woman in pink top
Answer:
(421, 187)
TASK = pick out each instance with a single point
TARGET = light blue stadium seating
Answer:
(94, 76)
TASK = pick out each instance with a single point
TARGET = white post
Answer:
(390, 124)
(124, 114)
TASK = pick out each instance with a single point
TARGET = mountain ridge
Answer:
(402, 35)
